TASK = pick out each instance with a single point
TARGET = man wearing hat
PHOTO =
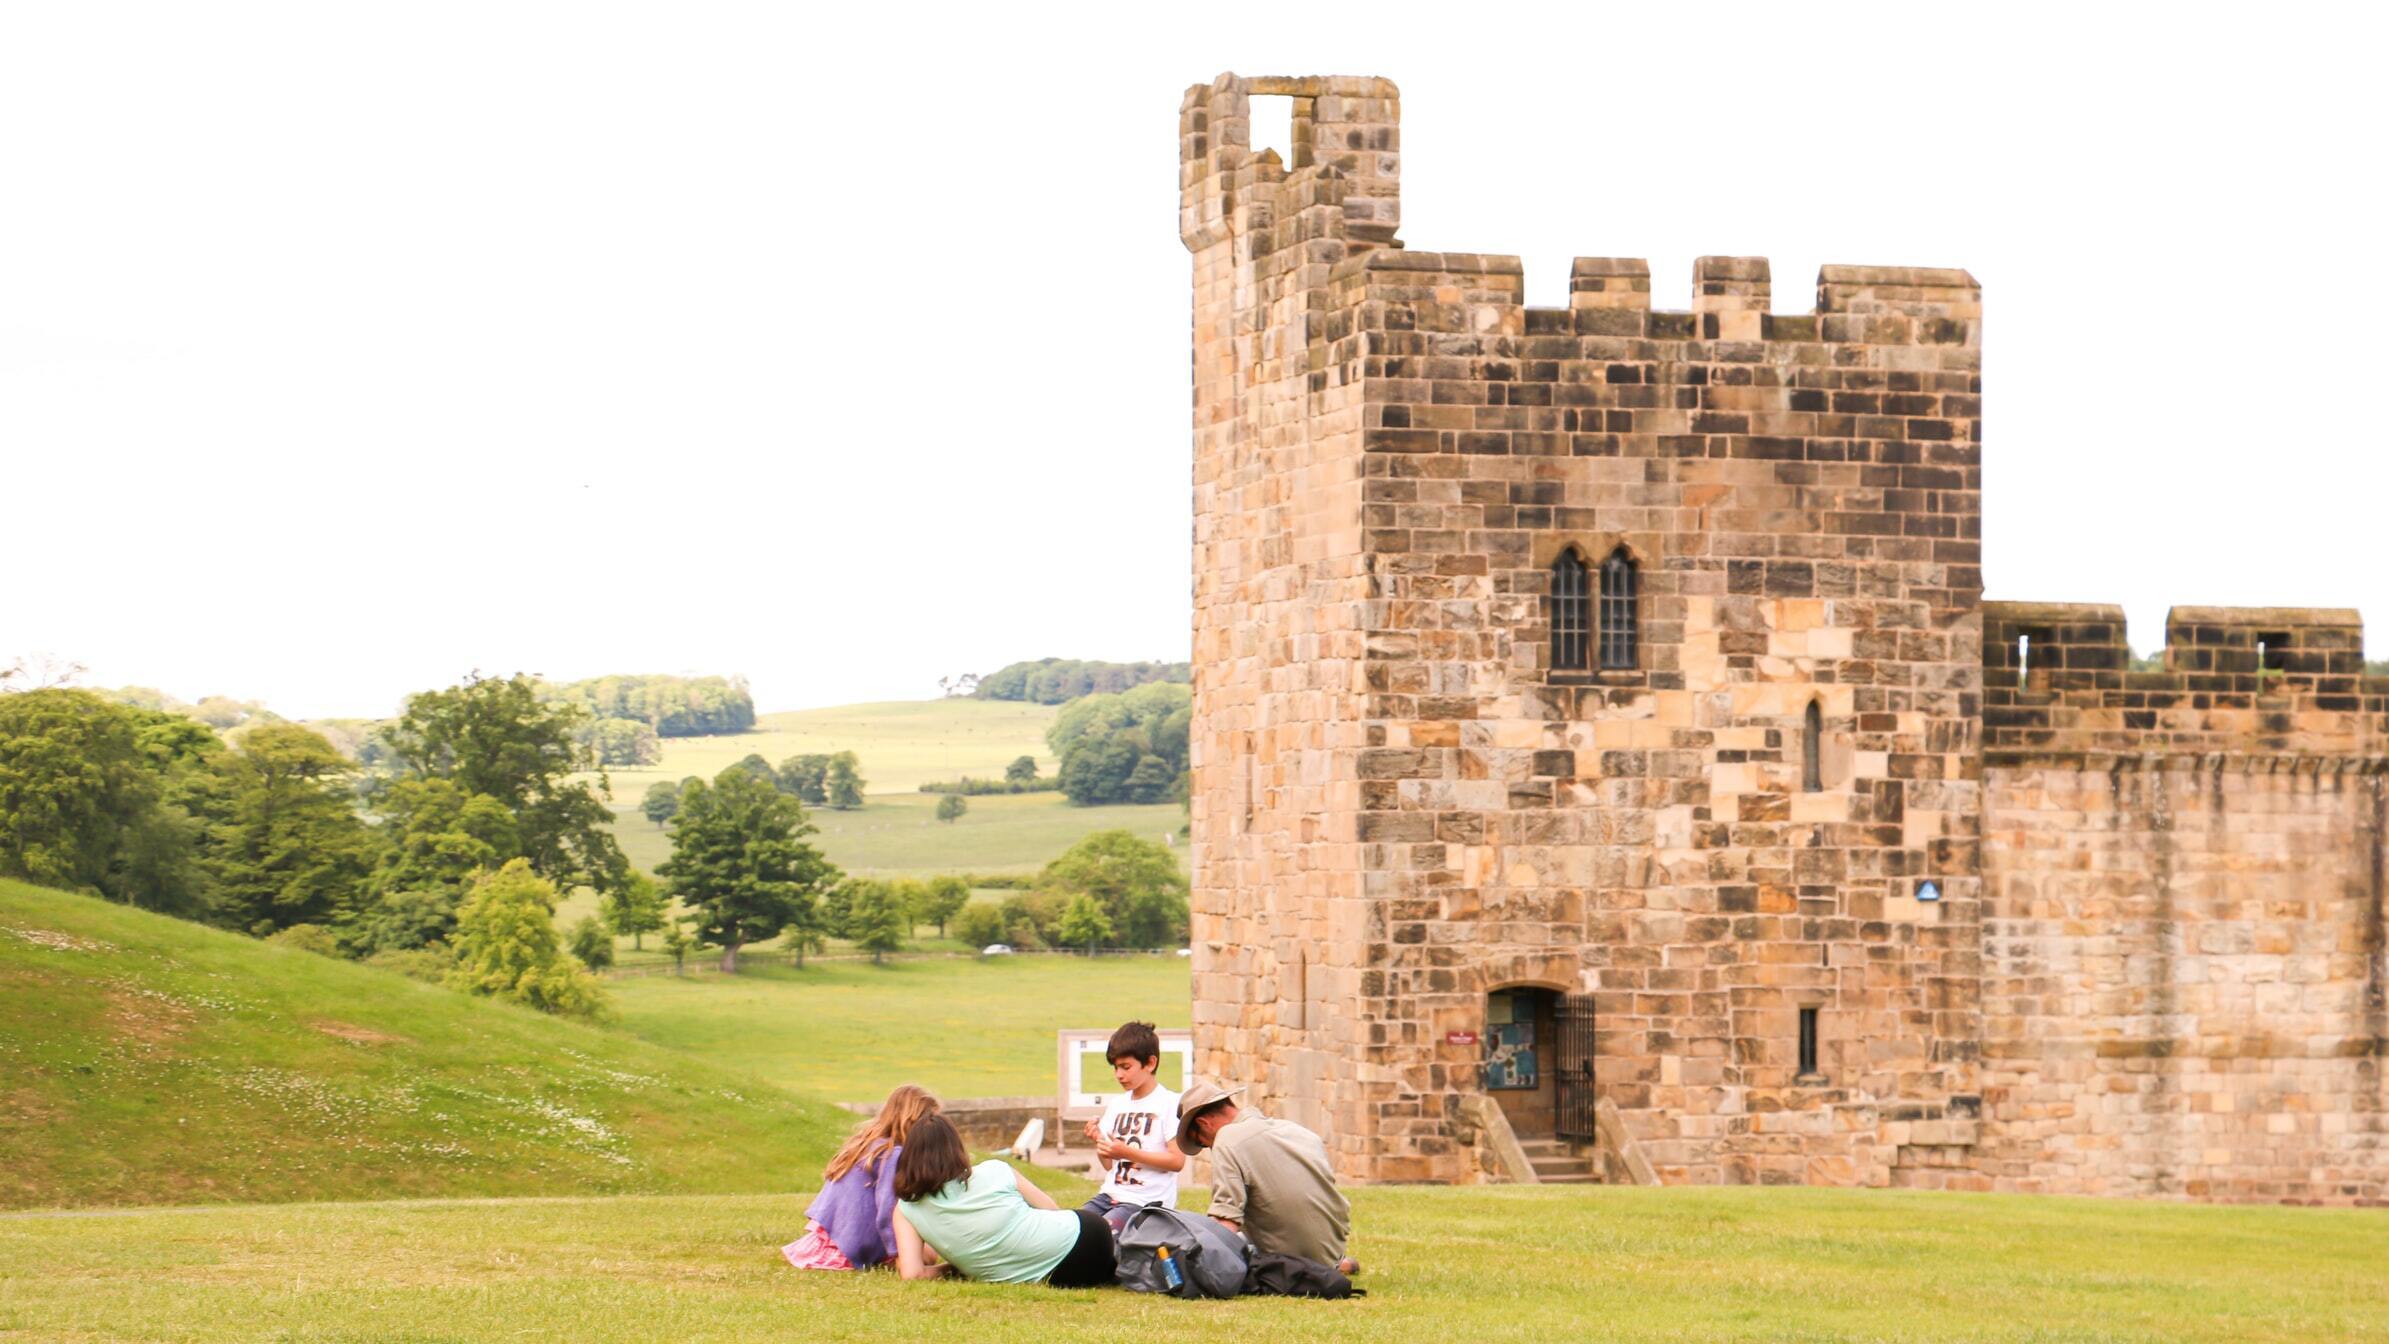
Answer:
(1269, 1178)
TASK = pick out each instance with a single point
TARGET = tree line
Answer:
(432, 867)
(1054, 681)
(1019, 777)
(626, 717)
(825, 779)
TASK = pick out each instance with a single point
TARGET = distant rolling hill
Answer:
(901, 744)
(146, 1060)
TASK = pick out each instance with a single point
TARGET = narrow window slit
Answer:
(1812, 750)
(1808, 1042)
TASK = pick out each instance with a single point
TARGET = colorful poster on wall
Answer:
(1510, 1058)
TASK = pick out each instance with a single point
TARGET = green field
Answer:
(849, 1030)
(1495, 1264)
(902, 743)
(146, 1060)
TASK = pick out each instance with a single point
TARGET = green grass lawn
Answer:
(1495, 1264)
(146, 1060)
(849, 1030)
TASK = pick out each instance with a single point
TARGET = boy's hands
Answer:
(1109, 1149)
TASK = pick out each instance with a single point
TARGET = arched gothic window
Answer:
(1619, 636)
(1812, 750)
(1571, 613)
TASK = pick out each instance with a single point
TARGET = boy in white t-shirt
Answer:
(1136, 1137)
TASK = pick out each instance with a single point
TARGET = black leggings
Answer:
(1091, 1261)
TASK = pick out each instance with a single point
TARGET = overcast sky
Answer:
(345, 348)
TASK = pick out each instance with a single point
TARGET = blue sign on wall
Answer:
(1928, 890)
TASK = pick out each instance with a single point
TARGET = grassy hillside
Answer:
(1495, 1264)
(849, 1030)
(145, 1060)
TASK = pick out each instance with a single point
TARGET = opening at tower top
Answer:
(1272, 125)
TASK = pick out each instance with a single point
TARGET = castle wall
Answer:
(2155, 964)
(1801, 495)
(2183, 889)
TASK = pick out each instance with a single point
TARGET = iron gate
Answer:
(1572, 1058)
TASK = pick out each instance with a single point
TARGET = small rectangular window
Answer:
(1808, 1042)
(2272, 652)
(2026, 642)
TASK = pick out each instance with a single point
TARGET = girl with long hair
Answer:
(850, 1224)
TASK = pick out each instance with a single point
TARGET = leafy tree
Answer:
(911, 894)
(754, 764)
(83, 799)
(1053, 681)
(980, 925)
(803, 940)
(438, 839)
(875, 920)
(506, 946)
(1135, 882)
(951, 807)
(807, 778)
(1030, 918)
(290, 848)
(1084, 924)
(676, 944)
(845, 782)
(941, 899)
(1023, 768)
(494, 737)
(402, 921)
(592, 943)
(661, 801)
(621, 742)
(739, 862)
(635, 909)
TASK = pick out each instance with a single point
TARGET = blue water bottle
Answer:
(1170, 1272)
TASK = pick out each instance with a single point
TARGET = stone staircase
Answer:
(1558, 1163)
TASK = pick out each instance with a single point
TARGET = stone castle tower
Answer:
(1603, 753)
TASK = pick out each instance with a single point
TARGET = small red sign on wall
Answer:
(1459, 1038)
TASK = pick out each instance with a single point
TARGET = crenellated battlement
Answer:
(2263, 681)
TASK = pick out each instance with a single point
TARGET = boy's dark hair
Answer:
(1137, 1041)
(933, 1158)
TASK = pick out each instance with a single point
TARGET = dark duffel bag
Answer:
(1274, 1275)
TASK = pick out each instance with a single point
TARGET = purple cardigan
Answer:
(858, 1210)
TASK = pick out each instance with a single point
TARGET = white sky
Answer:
(346, 348)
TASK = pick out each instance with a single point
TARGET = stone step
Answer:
(1579, 1177)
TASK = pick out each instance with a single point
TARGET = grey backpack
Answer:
(1210, 1260)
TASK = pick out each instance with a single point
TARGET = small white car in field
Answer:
(1186, 951)
(996, 950)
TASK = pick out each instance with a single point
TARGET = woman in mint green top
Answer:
(988, 1222)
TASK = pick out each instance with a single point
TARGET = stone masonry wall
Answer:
(2156, 961)
(1280, 926)
(2183, 869)
(1400, 806)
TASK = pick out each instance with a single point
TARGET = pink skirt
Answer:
(815, 1250)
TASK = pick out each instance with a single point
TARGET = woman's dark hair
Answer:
(933, 1158)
